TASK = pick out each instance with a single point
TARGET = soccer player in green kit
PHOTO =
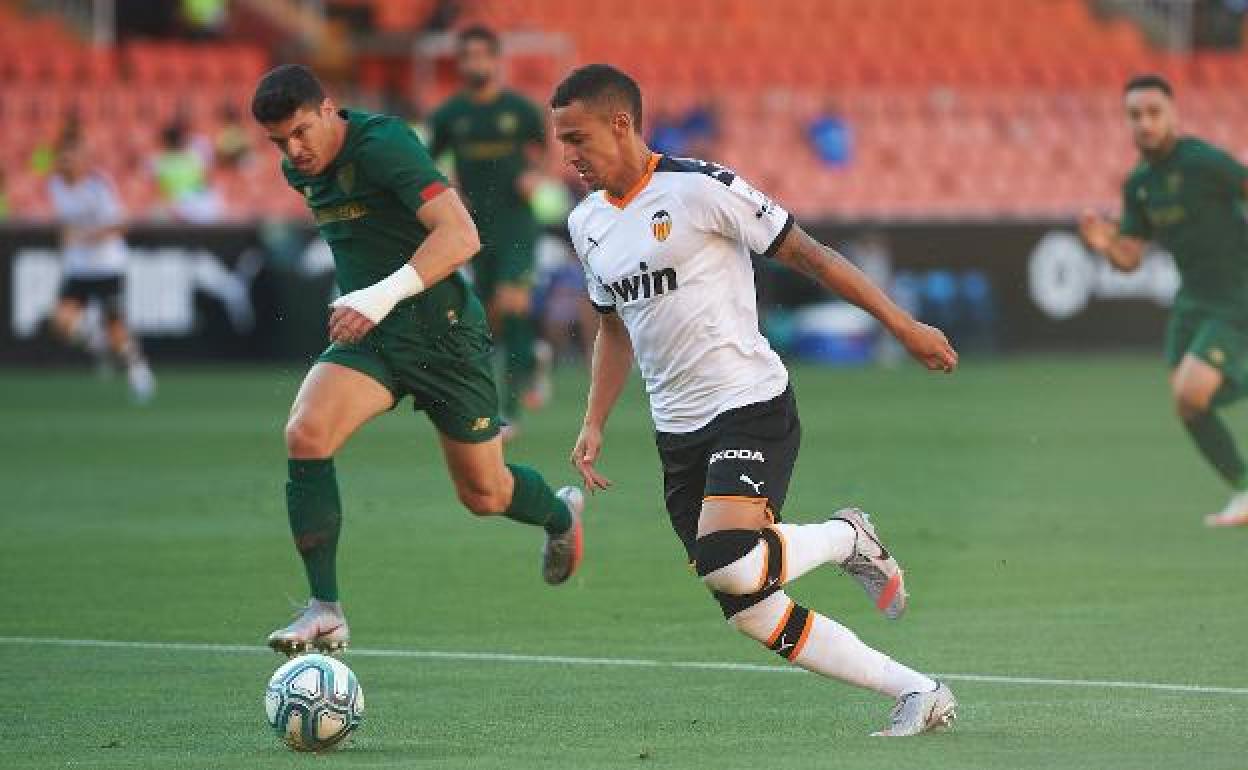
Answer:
(1187, 195)
(498, 140)
(406, 324)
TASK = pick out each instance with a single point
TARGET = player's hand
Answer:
(929, 346)
(585, 454)
(347, 325)
(527, 183)
(1097, 231)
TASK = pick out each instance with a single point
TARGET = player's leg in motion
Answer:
(746, 562)
(333, 402)
(488, 486)
(1198, 387)
(126, 349)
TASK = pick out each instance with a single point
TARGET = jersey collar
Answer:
(620, 203)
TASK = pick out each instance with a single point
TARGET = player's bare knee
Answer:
(307, 439)
(1190, 404)
(482, 500)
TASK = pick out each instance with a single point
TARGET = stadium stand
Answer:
(1011, 111)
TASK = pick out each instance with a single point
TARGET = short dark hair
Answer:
(478, 32)
(1148, 80)
(283, 90)
(600, 83)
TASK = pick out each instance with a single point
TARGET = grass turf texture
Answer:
(1047, 510)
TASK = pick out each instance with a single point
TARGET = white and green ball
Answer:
(314, 702)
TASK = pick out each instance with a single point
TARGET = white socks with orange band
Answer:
(820, 644)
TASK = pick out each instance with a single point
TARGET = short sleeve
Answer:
(111, 211)
(396, 160)
(726, 204)
(1134, 222)
(1230, 173)
(599, 295)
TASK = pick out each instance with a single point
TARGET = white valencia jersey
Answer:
(672, 258)
(89, 203)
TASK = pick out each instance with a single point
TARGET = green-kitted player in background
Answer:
(498, 141)
(406, 324)
(1187, 195)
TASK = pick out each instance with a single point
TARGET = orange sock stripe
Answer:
(801, 642)
(784, 620)
(890, 592)
(738, 499)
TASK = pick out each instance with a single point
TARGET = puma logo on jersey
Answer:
(645, 284)
(757, 485)
(753, 455)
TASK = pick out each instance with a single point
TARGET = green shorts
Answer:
(1217, 340)
(508, 254)
(451, 378)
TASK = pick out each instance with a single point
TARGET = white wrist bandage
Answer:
(375, 302)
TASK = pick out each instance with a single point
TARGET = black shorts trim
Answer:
(107, 290)
(746, 452)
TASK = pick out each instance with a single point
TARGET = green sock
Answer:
(1218, 446)
(533, 502)
(315, 521)
(518, 334)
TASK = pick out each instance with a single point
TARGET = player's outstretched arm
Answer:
(451, 242)
(1102, 236)
(927, 344)
(613, 361)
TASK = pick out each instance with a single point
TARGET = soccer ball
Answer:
(313, 702)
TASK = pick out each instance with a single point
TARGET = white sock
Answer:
(827, 648)
(807, 546)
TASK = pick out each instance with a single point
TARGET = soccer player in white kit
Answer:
(665, 243)
(92, 222)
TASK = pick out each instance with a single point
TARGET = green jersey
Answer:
(488, 142)
(364, 204)
(1190, 203)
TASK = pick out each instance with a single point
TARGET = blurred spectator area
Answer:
(957, 108)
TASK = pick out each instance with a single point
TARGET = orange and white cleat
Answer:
(873, 566)
(562, 553)
(1235, 514)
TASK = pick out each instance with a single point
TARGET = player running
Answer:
(406, 324)
(1186, 194)
(665, 243)
(498, 141)
(92, 223)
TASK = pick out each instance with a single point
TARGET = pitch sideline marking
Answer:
(506, 657)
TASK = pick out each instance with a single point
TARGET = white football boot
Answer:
(142, 381)
(921, 712)
(873, 567)
(1235, 514)
(320, 626)
(562, 553)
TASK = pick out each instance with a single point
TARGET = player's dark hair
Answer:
(478, 32)
(600, 83)
(1149, 80)
(283, 90)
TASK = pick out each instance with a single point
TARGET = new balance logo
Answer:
(757, 485)
(645, 284)
(752, 455)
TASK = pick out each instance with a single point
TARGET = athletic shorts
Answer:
(745, 452)
(1217, 340)
(508, 254)
(451, 379)
(107, 290)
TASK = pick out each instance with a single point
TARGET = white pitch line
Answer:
(566, 660)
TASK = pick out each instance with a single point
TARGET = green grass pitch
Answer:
(1047, 510)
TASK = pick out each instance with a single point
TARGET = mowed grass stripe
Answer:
(570, 660)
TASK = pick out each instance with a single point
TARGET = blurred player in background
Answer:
(498, 141)
(92, 223)
(666, 245)
(1187, 195)
(407, 323)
